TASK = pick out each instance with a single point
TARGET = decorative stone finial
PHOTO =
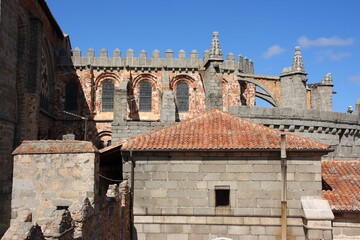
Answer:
(215, 49)
(327, 79)
(298, 64)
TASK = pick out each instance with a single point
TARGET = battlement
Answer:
(143, 61)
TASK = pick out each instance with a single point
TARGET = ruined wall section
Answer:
(56, 185)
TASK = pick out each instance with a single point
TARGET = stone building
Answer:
(50, 89)
(218, 175)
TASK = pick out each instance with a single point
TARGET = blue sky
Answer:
(265, 31)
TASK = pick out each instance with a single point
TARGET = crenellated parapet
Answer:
(153, 61)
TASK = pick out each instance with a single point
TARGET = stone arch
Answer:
(182, 77)
(262, 93)
(148, 76)
(133, 98)
(103, 139)
(107, 75)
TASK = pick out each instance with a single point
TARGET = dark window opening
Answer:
(71, 94)
(222, 197)
(182, 97)
(325, 185)
(145, 97)
(108, 96)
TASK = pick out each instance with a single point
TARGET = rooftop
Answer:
(341, 184)
(217, 130)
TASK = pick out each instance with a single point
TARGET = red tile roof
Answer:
(217, 130)
(343, 179)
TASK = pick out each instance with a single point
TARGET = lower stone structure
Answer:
(346, 225)
(220, 176)
(175, 199)
(56, 185)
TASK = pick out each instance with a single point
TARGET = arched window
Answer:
(182, 97)
(71, 94)
(145, 97)
(107, 96)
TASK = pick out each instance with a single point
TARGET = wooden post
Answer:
(283, 188)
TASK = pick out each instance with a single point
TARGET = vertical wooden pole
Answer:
(283, 188)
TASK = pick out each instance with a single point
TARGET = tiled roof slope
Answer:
(342, 177)
(217, 130)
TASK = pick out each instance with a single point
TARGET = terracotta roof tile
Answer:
(343, 179)
(217, 130)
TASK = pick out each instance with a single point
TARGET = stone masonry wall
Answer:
(174, 196)
(321, 97)
(56, 186)
(346, 226)
(293, 91)
(8, 53)
(53, 174)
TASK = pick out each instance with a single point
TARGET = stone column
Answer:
(120, 111)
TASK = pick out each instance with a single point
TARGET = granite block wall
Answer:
(176, 195)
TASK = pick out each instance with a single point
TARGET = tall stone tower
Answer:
(213, 75)
(293, 83)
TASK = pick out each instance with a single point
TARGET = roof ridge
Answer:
(215, 130)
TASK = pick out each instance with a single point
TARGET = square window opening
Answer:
(222, 197)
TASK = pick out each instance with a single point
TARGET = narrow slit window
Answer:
(222, 196)
(182, 97)
(145, 97)
(107, 96)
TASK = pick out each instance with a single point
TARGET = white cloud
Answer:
(337, 56)
(355, 78)
(332, 56)
(325, 42)
(273, 51)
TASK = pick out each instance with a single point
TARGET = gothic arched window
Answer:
(71, 95)
(107, 96)
(182, 97)
(145, 97)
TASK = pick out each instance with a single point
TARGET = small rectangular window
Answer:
(222, 196)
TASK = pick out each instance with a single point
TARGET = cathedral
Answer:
(124, 102)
